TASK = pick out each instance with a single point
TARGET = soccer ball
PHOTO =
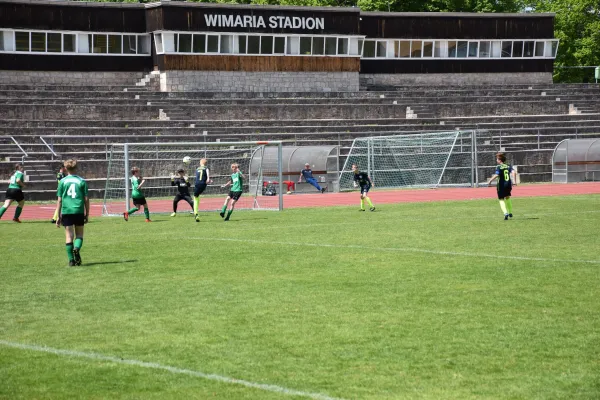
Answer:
(187, 159)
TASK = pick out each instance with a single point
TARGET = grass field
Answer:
(416, 301)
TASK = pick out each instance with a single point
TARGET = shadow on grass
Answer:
(107, 262)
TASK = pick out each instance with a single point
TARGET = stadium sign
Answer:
(257, 21)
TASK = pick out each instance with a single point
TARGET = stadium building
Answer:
(240, 48)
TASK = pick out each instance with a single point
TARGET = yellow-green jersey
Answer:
(136, 193)
(72, 190)
(18, 175)
(237, 181)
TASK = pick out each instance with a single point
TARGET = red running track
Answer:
(31, 212)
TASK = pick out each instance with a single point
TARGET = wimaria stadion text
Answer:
(257, 21)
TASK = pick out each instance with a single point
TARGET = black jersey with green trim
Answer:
(362, 178)
(503, 171)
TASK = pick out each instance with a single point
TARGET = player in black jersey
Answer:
(183, 186)
(504, 173)
(202, 181)
(362, 179)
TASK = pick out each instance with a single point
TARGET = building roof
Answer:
(455, 14)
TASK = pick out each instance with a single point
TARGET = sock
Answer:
(508, 205)
(18, 212)
(369, 201)
(147, 212)
(196, 204)
(503, 207)
(55, 216)
(2, 209)
(224, 208)
(362, 204)
(134, 209)
(78, 243)
(70, 251)
(229, 214)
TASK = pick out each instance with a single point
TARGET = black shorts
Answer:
(183, 196)
(504, 191)
(235, 195)
(15, 194)
(198, 189)
(140, 201)
(364, 189)
(73, 219)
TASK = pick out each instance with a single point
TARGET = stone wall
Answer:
(227, 81)
(525, 78)
(71, 78)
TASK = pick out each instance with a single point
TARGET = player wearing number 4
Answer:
(503, 173)
(137, 196)
(362, 179)
(237, 183)
(73, 207)
(15, 193)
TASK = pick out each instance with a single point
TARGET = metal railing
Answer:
(20, 148)
(49, 148)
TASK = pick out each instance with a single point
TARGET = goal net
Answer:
(414, 160)
(158, 162)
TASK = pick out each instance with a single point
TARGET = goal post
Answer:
(418, 160)
(158, 162)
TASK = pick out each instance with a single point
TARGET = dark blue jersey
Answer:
(307, 174)
(362, 178)
(503, 171)
(201, 175)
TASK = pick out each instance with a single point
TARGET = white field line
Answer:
(396, 249)
(174, 370)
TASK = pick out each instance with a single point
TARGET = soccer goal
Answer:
(414, 160)
(159, 161)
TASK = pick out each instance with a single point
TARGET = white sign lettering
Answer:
(257, 21)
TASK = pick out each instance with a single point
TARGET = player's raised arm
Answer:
(493, 178)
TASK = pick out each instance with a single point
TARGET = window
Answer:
(415, 51)
(369, 49)
(241, 44)
(305, 45)
(496, 49)
(441, 49)
(54, 41)
(330, 46)
(473, 48)
(212, 43)
(404, 49)
(199, 43)
(293, 45)
(461, 49)
(517, 50)
(356, 46)
(184, 43)
(158, 41)
(381, 48)
(506, 49)
(226, 44)
(100, 44)
(129, 43)
(342, 46)
(554, 49)
(115, 44)
(266, 44)
(2, 41)
(279, 45)
(452, 49)
(38, 41)
(318, 45)
(427, 49)
(253, 44)
(539, 49)
(528, 49)
(484, 49)
(83, 43)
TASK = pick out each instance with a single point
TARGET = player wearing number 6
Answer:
(73, 207)
(503, 173)
(362, 179)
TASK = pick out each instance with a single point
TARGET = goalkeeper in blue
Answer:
(504, 173)
(362, 179)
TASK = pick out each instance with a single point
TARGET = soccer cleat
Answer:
(17, 220)
(226, 219)
(52, 221)
(76, 257)
(126, 216)
(197, 217)
(72, 263)
(361, 209)
(174, 214)
(222, 214)
(506, 217)
(148, 220)
(372, 209)
(510, 215)
(323, 190)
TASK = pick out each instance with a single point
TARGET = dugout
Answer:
(323, 160)
(576, 160)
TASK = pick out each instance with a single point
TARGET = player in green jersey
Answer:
(15, 193)
(237, 183)
(61, 174)
(137, 197)
(73, 207)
